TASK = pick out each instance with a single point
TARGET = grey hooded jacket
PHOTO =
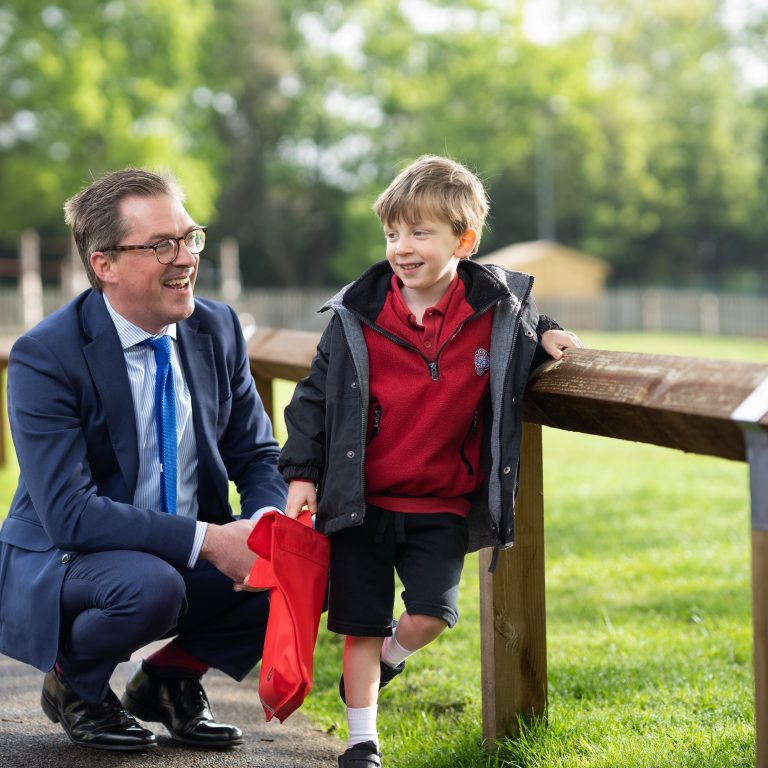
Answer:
(327, 416)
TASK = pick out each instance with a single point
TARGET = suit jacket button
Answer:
(66, 558)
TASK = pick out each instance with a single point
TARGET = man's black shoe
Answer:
(180, 704)
(100, 726)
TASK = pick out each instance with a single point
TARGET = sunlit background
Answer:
(633, 132)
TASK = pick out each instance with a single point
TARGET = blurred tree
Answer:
(629, 132)
(678, 176)
(88, 88)
(628, 128)
(275, 200)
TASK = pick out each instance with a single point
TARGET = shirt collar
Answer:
(130, 334)
(440, 308)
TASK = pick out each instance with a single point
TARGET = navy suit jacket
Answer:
(73, 426)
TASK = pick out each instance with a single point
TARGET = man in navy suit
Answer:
(92, 564)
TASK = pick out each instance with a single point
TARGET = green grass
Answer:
(648, 610)
(689, 345)
(649, 638)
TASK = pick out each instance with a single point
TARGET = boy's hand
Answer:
(554, 342)
(301, 493)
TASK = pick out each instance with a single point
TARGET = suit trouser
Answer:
(115, 602)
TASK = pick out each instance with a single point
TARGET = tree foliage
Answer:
(633, 129)
(90, 87)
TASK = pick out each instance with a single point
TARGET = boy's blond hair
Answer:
(435, 186)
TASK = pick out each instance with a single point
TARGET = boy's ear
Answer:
(467, 243)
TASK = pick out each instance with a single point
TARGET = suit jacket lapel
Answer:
(106, 362)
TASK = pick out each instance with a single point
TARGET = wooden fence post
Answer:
(229, 264)
(30, 281)
(74, 279)
(513, 627)
(278, 354)
(265, 389)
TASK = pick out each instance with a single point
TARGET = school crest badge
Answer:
(482, 361)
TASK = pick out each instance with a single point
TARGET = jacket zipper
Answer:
(376, 423)
(363, 409)
(432, 365)
(505, 386)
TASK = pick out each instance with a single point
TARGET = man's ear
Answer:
(467, 243)
(102, 266)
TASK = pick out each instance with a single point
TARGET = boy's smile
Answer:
(425, 256)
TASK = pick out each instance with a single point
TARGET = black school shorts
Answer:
(426, 549)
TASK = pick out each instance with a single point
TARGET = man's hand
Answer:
(301, 493)
(554, 342)
(225, 547)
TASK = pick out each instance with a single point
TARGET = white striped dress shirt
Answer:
(141, 366)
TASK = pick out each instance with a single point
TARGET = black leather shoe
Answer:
(100, 726)
(363, 755)
(180, 704)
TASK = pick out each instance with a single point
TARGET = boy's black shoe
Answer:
(100, 726)
(363, 755)
(180, 704)
(387, 675)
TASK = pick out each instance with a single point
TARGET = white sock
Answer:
(392, 653)
(362, 725)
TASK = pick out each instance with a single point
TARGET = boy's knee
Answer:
(427, 625)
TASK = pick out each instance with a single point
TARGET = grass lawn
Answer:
(648, 603)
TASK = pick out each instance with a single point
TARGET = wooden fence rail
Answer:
(709, 407)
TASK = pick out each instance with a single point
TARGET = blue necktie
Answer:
(165, 420)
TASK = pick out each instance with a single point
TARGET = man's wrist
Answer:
(259, 513)
(201, 529)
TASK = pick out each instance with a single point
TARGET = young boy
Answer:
(404, 439)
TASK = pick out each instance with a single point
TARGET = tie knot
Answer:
(161, 346)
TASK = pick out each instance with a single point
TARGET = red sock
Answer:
(172, 657)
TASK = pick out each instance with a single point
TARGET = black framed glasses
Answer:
(167, 251)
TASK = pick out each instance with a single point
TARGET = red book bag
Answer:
(293, 565)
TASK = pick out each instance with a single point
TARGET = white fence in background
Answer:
(296, 308)
(616, 310)
(729, 314)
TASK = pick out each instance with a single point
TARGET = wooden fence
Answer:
(709, 407)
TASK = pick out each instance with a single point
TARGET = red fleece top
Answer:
(425, 423)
